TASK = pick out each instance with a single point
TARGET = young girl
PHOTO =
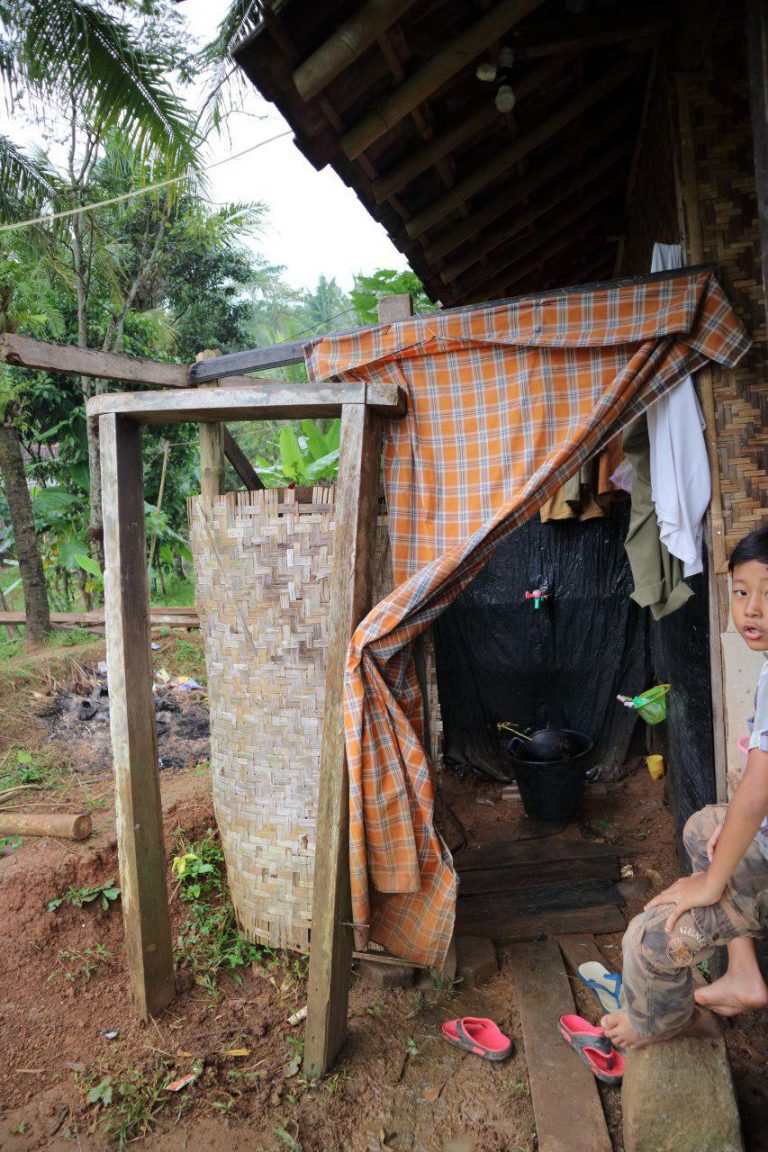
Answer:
(725, 901)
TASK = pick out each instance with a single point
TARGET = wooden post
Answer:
(141, 850)
(330, 957)
(714, 527)
(160, 492)
(757, 48)
(211, 447)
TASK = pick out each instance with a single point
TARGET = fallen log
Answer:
(159, 618)
(71, 827)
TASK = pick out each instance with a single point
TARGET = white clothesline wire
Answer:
(48, 217)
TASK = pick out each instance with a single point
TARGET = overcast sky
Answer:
(315, 224)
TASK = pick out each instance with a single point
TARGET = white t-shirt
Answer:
(758, 738)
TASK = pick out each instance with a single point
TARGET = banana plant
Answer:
(304, 457)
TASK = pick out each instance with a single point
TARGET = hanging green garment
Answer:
(658, 576)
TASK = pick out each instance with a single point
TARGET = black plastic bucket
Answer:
(551, 790)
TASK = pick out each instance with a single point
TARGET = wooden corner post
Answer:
(330, 956)
(141, 850)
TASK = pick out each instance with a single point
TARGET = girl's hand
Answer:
(712, 842)
(697, 891)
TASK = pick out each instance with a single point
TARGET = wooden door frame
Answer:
(141, 849)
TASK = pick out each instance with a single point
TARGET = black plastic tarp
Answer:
(499, 658)
(680, 655)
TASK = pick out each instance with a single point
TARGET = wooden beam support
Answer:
(503, 160)
(539, 208)
(519, 273)
(461, 52)
(266, 400)
(567, 158)
(557, 227)
(330, 956)
(241, 464)
(139, 816)
(212, 459)
(24, 352)
(483, 116)
(636, 38)
(347, 43)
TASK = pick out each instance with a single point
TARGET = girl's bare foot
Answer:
(729, 996)
(620, 1032)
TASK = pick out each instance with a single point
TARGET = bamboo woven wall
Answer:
(262, 567)
(718, 99)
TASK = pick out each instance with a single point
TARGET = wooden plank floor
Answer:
(524, 890)
(566, 1103)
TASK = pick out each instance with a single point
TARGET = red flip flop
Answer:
(483, 1037)
(593, 1047)
(451, 1035)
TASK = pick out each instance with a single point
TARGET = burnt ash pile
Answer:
(77, 714)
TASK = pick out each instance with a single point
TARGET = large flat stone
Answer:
(679, 1097)
(475, 960)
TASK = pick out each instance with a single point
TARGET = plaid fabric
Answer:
(504, 405)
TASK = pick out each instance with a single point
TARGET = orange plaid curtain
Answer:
(504, 405)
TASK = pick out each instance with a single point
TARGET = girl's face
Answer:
(749, 601)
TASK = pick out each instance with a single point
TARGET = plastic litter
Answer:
(182, 1082)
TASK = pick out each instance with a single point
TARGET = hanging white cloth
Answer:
(681, 480)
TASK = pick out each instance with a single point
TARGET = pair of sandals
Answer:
(590, 1043)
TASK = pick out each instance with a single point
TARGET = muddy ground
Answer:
(397, 1086)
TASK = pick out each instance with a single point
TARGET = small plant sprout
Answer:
(78, 897)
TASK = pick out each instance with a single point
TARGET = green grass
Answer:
(209, 937)
(129, 1105)
(40, 768)
(190, 657)
(179, 593)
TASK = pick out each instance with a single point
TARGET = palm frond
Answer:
(28, 184)
(116, 84)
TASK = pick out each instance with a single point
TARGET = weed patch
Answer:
(106, 894)
(209, 938)
(79, 964)
(22, 768)
(129, 1107)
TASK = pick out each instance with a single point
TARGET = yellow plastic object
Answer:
(655, 766)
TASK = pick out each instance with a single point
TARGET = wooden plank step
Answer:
(580, 948)
(569, 1115)
(527, 901)
(536, 852)
(512, 878)
(506, 930)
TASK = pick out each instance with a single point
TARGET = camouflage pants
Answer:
(657, 964)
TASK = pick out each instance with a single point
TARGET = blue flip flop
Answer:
(605, 985)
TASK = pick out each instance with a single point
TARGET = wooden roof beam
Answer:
(633, 37)
(348, 42)
(499, 164)
(501, 283)
(564, 190)
(26, 352)
(439, 146)
(569, 156)
(436, 72)
(527, 246)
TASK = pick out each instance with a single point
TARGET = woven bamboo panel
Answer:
(262, 566)
(721, 123)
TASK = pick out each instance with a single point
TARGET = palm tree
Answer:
(76, 53)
